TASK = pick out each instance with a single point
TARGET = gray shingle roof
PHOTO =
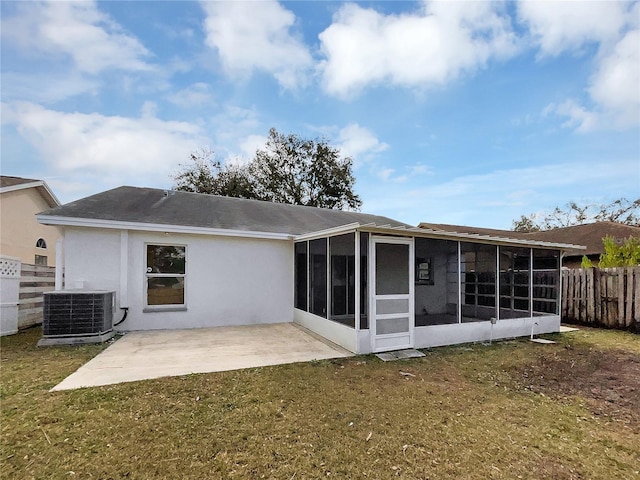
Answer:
(590, 235)
(8, 181)
(156, 206)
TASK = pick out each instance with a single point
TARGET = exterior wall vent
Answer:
(77, 316)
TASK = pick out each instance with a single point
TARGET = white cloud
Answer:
(257, 36)
(57, 87)
(579, 118)
(77, 30)
(429, 47)
(359, 143)
(614, 95)
(195, 95)
(137, 148)
(562, 26)
(419, 169)
(385, 174)
(615, 86)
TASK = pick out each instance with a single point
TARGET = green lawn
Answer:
(511, 410)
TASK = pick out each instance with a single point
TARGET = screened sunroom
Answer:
(370, 288)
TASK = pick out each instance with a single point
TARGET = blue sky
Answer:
(459, 112)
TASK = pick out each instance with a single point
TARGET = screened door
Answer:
(392, 302)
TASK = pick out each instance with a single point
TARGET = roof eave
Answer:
(427, 233)
(157, 227)
(41, 186)
(328, 232)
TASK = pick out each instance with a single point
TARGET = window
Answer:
(165, 275)
(41, 243)
(41, 260)
(424, 271)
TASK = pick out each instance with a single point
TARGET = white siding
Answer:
(229, 280)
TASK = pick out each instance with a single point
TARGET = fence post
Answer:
(590, 296)
(597, 294)
(635, 286)
(9, 292)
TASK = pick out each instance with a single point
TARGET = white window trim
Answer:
(172, 307)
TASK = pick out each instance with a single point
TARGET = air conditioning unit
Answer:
(77, 316)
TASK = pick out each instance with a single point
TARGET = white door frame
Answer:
(405, 339)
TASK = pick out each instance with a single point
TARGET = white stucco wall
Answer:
(229, 280)
(91, 259)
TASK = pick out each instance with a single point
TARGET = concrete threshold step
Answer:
(399, 355)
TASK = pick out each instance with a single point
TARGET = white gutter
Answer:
(157, 227)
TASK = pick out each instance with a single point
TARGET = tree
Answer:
(207, 175)
(526, 224)
(615, 255)
(586, 262)
(291, 169)
(288, 169)
(620, 211)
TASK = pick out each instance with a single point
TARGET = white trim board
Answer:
(157, 227)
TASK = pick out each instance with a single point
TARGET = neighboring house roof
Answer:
(11, 184)
(184, 212)
(590, 234)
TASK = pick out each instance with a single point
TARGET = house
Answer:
(21, 235)
(589, 234)
(365, 282)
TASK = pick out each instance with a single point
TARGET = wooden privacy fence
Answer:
(602, 296)
(34, 281)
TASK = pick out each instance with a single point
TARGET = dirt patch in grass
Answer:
(608, 380)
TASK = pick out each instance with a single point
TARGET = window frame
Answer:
(147, 275)
(44, 242)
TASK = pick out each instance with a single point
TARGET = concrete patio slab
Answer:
(164, 353)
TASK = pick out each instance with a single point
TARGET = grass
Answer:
(510, 410)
